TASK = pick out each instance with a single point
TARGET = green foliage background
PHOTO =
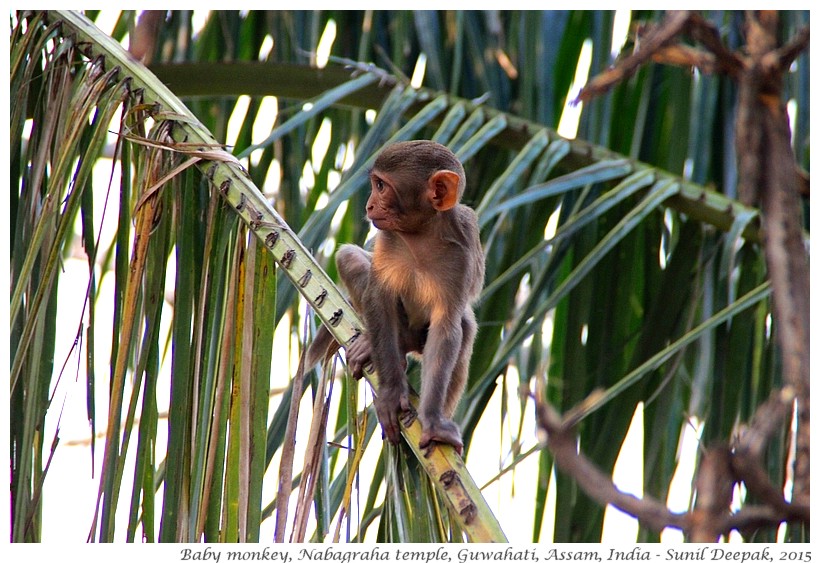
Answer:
(651, 286)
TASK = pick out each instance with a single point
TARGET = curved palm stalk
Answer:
(444, 466)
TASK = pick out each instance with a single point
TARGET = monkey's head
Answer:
(411, 182)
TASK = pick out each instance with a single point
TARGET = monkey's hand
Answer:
(358, 355)
(391, 402)
(440, 429)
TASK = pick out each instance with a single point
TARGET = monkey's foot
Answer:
(443, 431)
(391, 403)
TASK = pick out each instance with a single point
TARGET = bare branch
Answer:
(791, 50)
(560, 439)
(658, 45)
(753, 518)
(721, 468)
(684, 55)
(763, 135)
(654, 40)
(708, 35)
(714, 484)
(766, 420)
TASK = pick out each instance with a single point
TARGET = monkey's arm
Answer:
(381, 314)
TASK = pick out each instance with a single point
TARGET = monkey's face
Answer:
(397, 203)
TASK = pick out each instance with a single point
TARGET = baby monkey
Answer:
(415, 290)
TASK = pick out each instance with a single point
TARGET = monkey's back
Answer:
(467, 220)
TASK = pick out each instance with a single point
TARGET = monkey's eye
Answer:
(379, 184)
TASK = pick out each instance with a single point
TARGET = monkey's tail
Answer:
(323, 348)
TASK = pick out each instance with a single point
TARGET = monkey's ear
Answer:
(443, 189)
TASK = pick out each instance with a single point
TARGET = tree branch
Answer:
(560, 439)
(721, 468)
(658, 44)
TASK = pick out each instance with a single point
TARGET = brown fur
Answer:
(416, 289)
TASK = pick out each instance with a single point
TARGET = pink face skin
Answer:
(385, 207)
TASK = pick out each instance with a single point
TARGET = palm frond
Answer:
(615, 271)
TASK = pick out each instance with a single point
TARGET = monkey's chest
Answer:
(418, 291)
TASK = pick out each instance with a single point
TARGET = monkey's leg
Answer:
(459, 377)
(354, 265)
(442, 351)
